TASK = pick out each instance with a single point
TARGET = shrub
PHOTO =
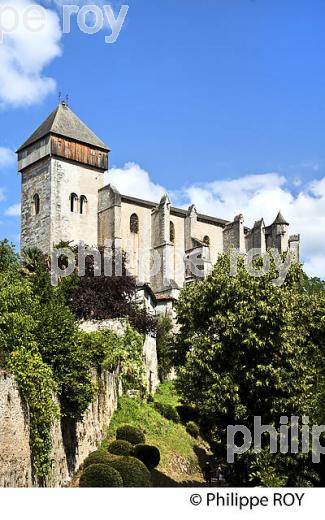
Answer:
(134, 473)
(98, 457)
(167, 411)
(193, 429)
(131, 434)
(100, 475)
(120, 447)
(187, 413)
(149, 455)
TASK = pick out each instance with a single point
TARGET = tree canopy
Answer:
(248, 348)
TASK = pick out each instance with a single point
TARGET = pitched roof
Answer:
(62, 121)
(280, 219)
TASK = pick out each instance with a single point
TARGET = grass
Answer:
(181, 454)
(167, 394)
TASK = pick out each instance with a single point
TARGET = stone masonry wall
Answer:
(71, 443)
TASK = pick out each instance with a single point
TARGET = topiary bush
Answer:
(120, 447)
(100, 475)
(167, 411)
(187, 413)
(149, 455)
(134, 473)
(98, 457)
(193, 429)
(131, 434)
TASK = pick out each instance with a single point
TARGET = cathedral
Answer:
(64, 198)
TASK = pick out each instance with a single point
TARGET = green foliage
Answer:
(109, 350)
(59, 344)
(166, 393)
(134, 473)
(131, 434)
(165, 346)
(178, 450)
(37, 386)
(40, 342)
(249, 348)
(8, 257)
(193, 429)
(167, 411)
(100, 475)
(98, 457)
(149, 455)
(120, 448)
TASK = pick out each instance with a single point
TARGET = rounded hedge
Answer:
(131, 434)
(149, 455)
(193, 429)
(98, 457)
(120, 447)
(167, 411)
(133, 472)
(100, 475)
(187, 413)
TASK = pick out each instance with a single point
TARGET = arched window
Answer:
(134, 223)
(206, 240)
(83, 205)
(74, 203)
(36, 204)
(172, 232)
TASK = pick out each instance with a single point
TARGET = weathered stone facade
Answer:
(62, 164)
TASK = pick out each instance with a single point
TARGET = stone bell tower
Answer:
(62, 167)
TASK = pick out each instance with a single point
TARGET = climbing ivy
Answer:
(37, 387)
(40, 343)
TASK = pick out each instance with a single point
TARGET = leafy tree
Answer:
(8, 257)
(246, 348)
(165, 346)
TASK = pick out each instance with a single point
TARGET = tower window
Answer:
(134, 223)
(36, 204)
(206, 240)
(83, 205)
(74, 203)
(172, 232)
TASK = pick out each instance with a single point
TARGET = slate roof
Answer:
(63, 122)
(280, 219)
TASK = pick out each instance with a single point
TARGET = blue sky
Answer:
(220, 102)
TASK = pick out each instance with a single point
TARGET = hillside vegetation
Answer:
(181, 454)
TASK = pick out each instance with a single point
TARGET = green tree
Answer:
(246, 349)
(165, 346)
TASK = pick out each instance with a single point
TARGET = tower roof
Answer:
(280, 219)
(63, 122)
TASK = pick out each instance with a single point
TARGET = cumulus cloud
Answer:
(132, 180)
(263, 196)
(255, 196)
(24, 54)
(13, 211)
(7, 157)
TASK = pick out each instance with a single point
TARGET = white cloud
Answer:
(13, 211)
(2, 195)
(259, 196)
(24, 54)
(7, 157)
(132, 180)
(254, 196)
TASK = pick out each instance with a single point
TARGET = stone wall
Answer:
(15, 459)
(71, 442)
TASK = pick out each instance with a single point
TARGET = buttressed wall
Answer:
(63, 199)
